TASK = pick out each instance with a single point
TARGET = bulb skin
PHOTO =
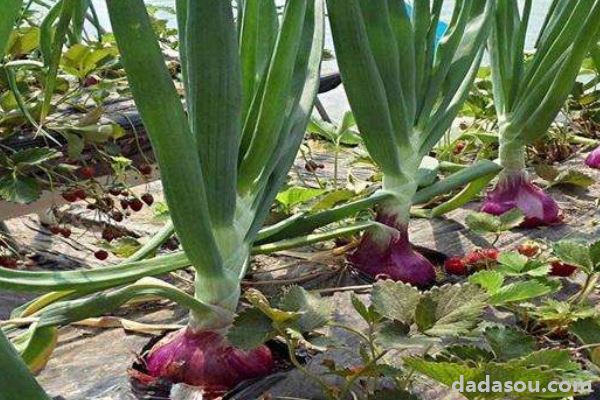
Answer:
(391, 256)
(593, 159)
(205, 359)
(515, 190)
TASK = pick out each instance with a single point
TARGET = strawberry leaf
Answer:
(396, 301)
(508, 343)
(251, 328)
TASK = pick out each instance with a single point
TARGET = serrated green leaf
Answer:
(465, 353)
(123, 247)
(508, 343)
(548, 358)
(297, 195)
(392, 334)
(395, 300)
(251, 328)
(513, 260)
(588, 332)
(491, 281)
(483, 223)
(595, 254)
(546, 172)
(511, 219)
(574, 178)
(451, 310)
(315, 312)
(34, 156)
(281, 317)
(75, 145)
(471, 377)
(360, 307)
(19, 189)
(332, 198)
(519, 291)
(444, 372)
(574, 253)
(425, 314)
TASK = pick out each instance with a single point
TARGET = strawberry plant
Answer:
(503, 355)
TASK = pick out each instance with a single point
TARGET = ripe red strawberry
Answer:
(91, 81)
(458, 147)
(114, 191)
(8, 262)
(55, 229)
(87, 172)
(148, 199)
(561, 269)
(490, 254)
(455, 266)
(69, 196)
(66, 232)
(136, 204)
(101, 255)
(528, 249)
(80, 193)
(124, 204)
(473, 257)
(145, 169)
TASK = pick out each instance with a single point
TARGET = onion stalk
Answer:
(16, 382)
(529, 93)
(405, 91)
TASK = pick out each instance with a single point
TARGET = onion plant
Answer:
(530, 91)
(249, 89)
(405, 91)
(248, 97)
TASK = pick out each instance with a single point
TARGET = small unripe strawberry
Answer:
(145, 169)
(101, 255)
(91, 81)
(117, 216)
(528, 249)
(458, 147)
(148, 199)
(455, 266)
(558, 268)
(8, 262)
(108, 234)
(87, 172)
(136, 204)
(66, 232)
